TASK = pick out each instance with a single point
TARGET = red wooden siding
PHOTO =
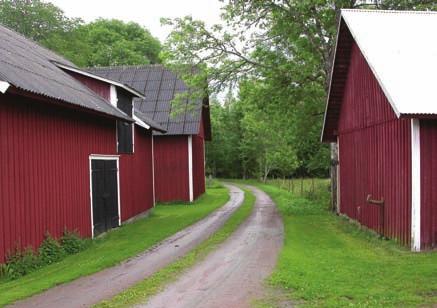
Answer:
(375, 155)
(136, 176)
(199, 163)
(44, 163)
(428, 172)
(97, 86)
(171, 168)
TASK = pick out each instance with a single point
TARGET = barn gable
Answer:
(391, 42)
(160, 86)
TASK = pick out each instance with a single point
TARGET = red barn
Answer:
(180, 152)
(71, 156)
(382, 113)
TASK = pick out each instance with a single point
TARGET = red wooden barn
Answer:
(71, 156)
(382, 113)
(180, 152)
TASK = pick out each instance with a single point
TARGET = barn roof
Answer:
(148, 121)
(401, 50)
(160, 86)
(28, 67)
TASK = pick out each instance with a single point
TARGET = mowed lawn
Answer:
(329, 262)
(116, 246)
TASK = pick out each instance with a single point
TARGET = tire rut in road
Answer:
(233, 275)
(90, 290)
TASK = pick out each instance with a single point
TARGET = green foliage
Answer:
(329, 262)
(71, 242)
(116, 246)
(99, 43)
(20, 262)
(113, 42)
(36, 19)
(50, 251)
(277, 54)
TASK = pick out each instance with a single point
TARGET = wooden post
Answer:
(334, 164)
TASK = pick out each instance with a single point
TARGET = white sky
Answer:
(147, 12)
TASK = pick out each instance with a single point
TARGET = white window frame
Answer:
(104, 157)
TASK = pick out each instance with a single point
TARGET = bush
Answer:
(71, 242)
(50, 250)
(20, 262)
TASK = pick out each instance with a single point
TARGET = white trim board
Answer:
(4, 86)
(415, 185)
(190, 166)
(104, 157)
(113, 97)
(93, 76)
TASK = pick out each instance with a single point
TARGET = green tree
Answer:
(100, 43)
(284, 45)
(113, 42)
(35, 19)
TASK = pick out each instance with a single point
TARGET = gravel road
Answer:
(89, 290)
(233, 275)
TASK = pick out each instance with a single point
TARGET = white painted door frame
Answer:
(104, 157)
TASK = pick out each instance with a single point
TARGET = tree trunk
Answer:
(266, 173)
(334, 164)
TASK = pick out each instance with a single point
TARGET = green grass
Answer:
(116, 246)
(152, 285)
(328, 262)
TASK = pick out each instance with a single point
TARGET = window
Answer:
(124, 129)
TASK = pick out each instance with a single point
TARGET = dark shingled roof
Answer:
(29, 67)
(149, 121)
(159, 85)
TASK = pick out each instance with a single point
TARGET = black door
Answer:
(105, 195)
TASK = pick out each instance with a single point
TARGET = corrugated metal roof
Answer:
(401, 49)
(30, 67)
(160, 86)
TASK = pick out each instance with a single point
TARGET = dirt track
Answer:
(92, 289)
(231, 276)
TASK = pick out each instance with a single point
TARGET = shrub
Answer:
(71, 242)
(20, 262)
(50, 250)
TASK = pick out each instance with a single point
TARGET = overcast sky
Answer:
(144, 12)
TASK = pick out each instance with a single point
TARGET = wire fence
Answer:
(303, 187)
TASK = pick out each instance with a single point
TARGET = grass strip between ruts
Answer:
(155, 283)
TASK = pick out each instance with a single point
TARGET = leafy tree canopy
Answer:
(277, 54)
(100, 43)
